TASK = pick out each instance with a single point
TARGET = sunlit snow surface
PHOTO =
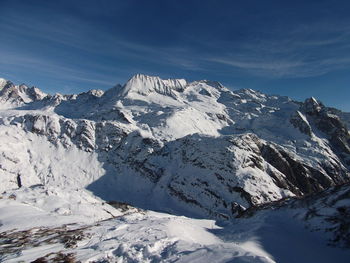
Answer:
(129, 236)
(144, 236)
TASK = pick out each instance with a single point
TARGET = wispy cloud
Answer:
(278, 67)
(93, 39)
(52, 68)
(299, 53)
(89, 52)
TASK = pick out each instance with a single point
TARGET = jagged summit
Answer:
(144, 85)
(16, 95)
(312, 106)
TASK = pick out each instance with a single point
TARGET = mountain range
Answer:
(196, 149)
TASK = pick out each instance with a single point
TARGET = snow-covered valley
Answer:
(170, 171)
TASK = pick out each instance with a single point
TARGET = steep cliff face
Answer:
(189, 148)
(328, 122)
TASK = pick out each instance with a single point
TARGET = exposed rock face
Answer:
(190, 148)
(299, 121)
(326, 121)
(301, 178)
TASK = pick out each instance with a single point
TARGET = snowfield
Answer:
(171, 171)
(53, 224)
(136, 236)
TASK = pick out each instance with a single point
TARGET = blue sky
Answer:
(294, 48)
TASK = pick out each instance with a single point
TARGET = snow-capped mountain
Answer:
(198, 148)
(188, 148)
(13, 95)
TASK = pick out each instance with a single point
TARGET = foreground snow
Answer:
(52, 224)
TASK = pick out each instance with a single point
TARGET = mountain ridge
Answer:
(274, 147)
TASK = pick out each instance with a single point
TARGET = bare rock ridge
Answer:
(193, 148)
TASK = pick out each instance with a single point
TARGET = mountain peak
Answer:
(19, 94)
(3, 83)
(312, 106)
(144, 85)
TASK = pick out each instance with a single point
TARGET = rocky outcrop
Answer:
(299, 121)
(301, 178)
(326, 121)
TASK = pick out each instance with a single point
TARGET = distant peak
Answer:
(312, 106)
(143, 77)
(92, 92)
(313, 100)
(212, 83)
(144, 85)
(96, 92)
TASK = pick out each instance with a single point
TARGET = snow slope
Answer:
(41, 224)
